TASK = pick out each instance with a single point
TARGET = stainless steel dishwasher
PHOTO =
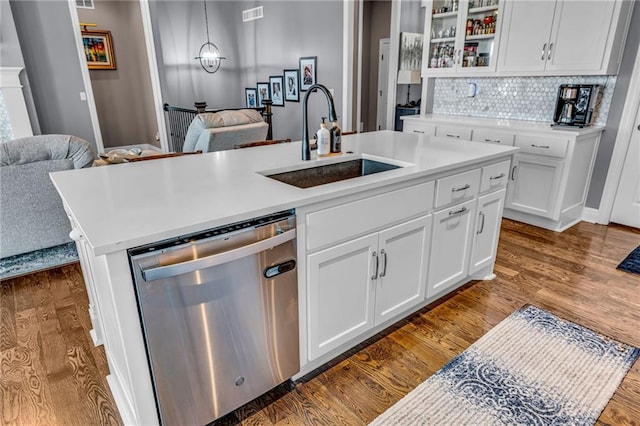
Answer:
(219, 315)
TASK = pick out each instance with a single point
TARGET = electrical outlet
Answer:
(83, 96)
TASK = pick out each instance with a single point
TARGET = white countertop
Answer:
(503, 124)
(126, 205)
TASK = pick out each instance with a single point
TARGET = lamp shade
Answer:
(409, 77)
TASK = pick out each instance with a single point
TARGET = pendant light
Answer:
(209, 54)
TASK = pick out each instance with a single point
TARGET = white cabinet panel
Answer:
(450, 246)
(495, 176)
(579, 35)
(404, 251)
(357, 217)
(340, 301)
(457, 187)
(489, 218)
(552, 146)
(412, 126)
(563, 37)
(493, 136)
(527, 25)
(534, 185)
(454, 132)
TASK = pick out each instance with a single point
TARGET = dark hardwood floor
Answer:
(50, 372)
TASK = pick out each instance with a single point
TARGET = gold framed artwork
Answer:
(98, 49)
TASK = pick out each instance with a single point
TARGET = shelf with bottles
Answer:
(485, 26)
(443, 40)
(442, 56)
(480, 37)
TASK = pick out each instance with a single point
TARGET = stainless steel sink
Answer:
(320, 175)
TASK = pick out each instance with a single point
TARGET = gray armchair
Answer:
(219, 131)
(31, 212)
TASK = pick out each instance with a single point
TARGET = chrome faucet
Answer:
(306, 150)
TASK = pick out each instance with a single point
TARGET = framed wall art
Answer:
(275, 86)
(263, 93)
(250, 94)
(308, 73)
(98, 49)
(292, 85)
(411, 51)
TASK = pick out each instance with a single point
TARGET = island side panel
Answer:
(130, 378)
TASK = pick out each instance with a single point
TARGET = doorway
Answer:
(376, 26)
(123, 97)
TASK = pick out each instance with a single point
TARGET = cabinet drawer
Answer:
(454, 188)
(454, 132)
(357, 217)
(421, 128)
(495, 176)
(493, 136)
(542, 145)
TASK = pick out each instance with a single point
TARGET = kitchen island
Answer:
(426, 227)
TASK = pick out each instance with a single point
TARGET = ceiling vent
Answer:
(252, 14)
(84, 4)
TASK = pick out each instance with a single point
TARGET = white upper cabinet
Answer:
(563, 37)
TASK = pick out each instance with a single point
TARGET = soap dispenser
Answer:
(336, 137)
(323, 139)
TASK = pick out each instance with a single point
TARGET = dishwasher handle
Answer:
(160, 272)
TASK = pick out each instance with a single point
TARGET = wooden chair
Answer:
(261, 143)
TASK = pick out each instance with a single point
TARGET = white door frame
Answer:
(153, 74)
(394, 53)
(152, 57)
(349, 76)
(623, 139)
(381, 119)
(86, 79)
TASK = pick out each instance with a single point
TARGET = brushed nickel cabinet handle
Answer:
(500, 176)
(540, 146)
(462, 188)
(544, 50)
(418, 131)
(453, 136)
(513, 172)
(481, 223)
(459, 211)
(384, 263)
(375, 273)
(550, 49)
(493, 140)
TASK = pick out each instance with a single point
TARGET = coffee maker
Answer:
(577, 104)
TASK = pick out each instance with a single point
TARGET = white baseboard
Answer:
(590, 215)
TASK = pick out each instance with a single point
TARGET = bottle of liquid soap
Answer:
(336, 137)
(323, 139)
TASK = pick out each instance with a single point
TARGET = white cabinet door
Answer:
(340, 293)
(450, 246)
(489, 218)
(534, 185)
(404, 254)
(579, 36)
(527, 26)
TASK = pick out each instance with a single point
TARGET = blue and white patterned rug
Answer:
(22, 264)
(632, 262)
(531, 369)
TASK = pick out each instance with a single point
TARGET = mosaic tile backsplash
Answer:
(516, 98)
(6, 132)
